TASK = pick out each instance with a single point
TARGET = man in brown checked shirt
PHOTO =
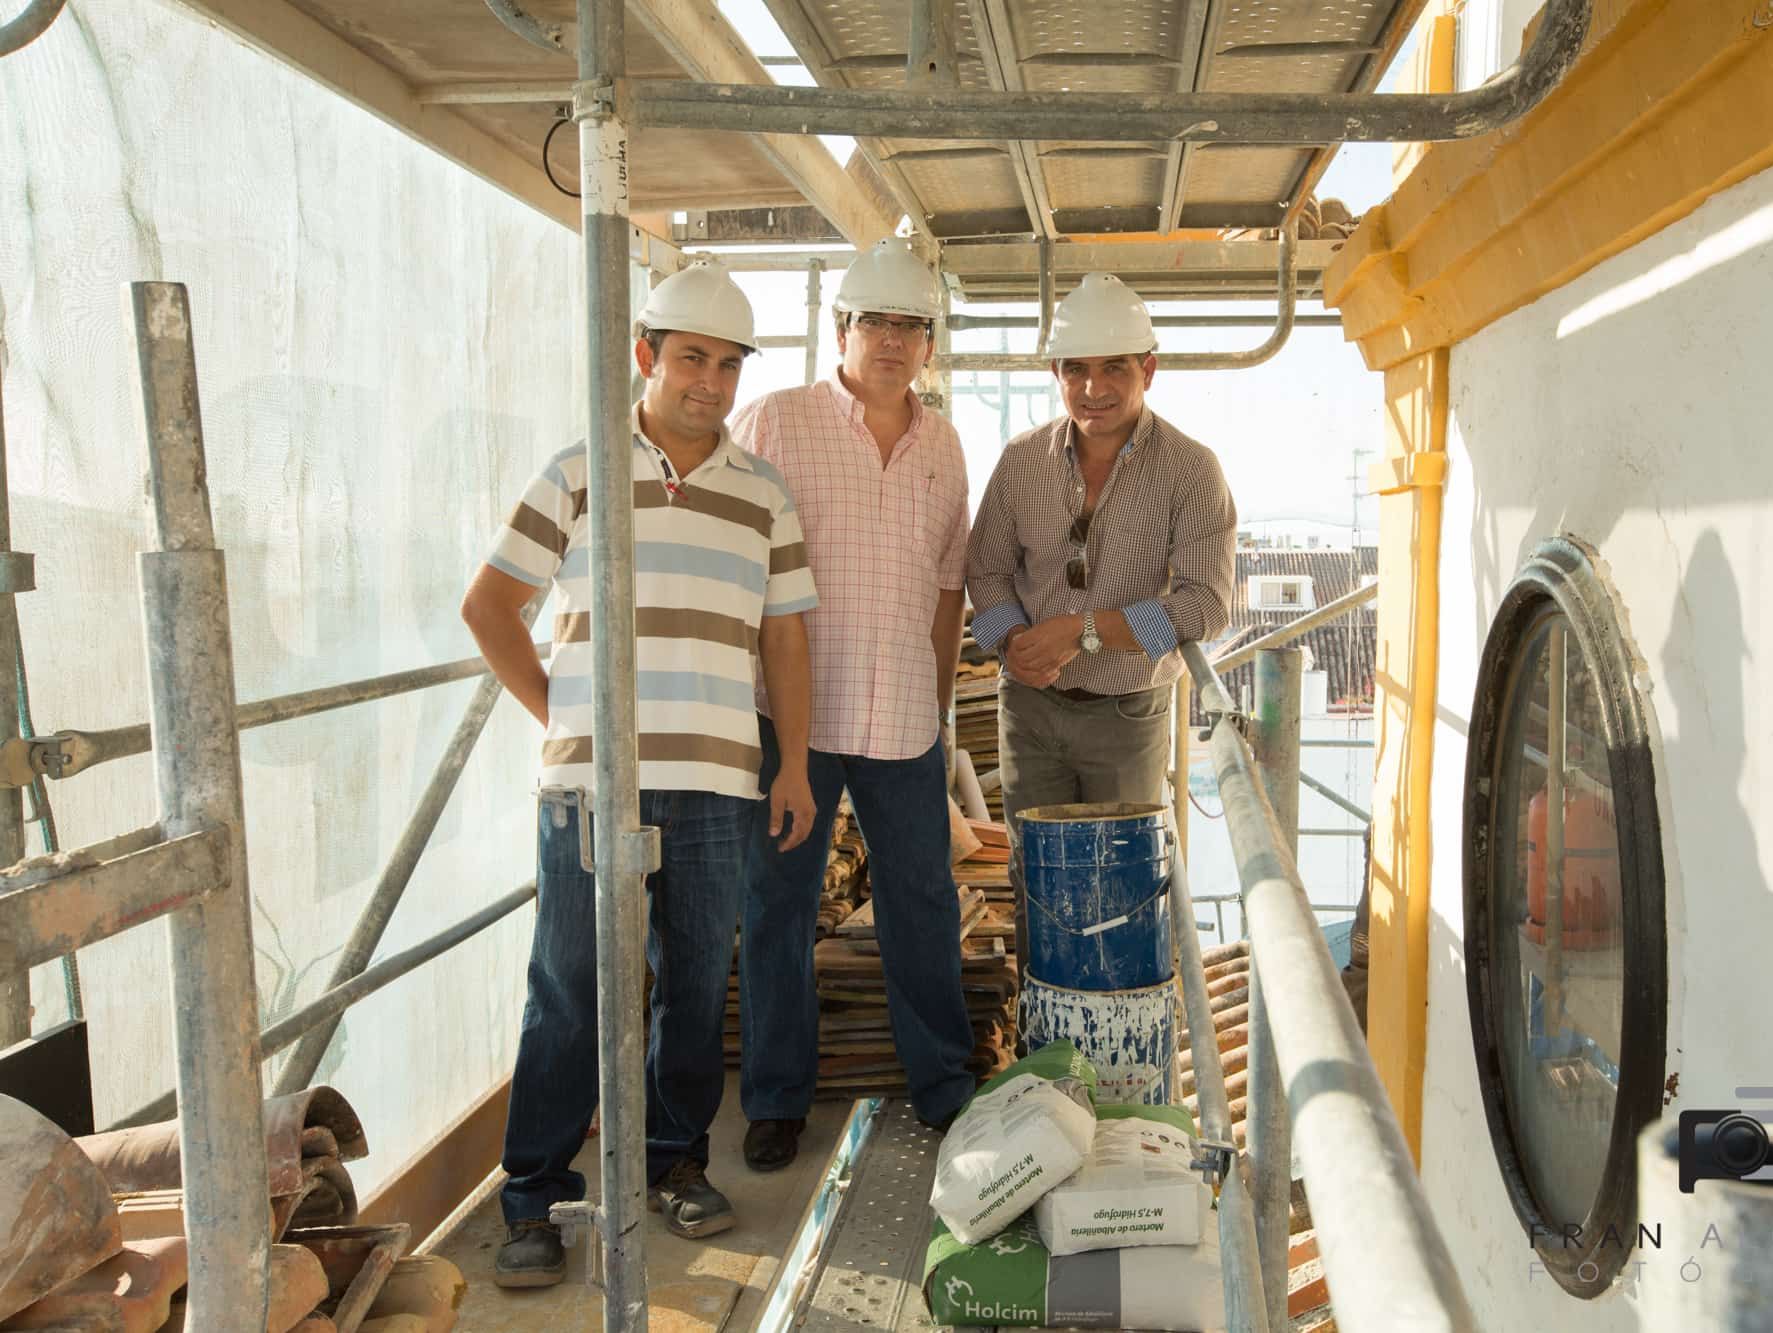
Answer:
(1104, 539)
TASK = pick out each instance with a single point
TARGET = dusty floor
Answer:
(695, 1286)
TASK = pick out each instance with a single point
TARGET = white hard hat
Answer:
(702, 298)
(890, 280)
(1101, 317)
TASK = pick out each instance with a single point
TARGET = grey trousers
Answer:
(1057, 751)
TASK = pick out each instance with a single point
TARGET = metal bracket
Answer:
(574, 1218)
(594, 99)
(637, 850)
(18, 571)
(23, 761)
(1213, 1159)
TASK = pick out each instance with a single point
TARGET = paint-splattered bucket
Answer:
(1097, 880)
(1128, 1035)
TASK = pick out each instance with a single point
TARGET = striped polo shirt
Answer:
(713, 555)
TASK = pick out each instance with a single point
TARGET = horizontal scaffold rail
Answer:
(52, 905)
(81, 750)
(1192, 117)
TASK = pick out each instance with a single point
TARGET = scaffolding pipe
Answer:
(547, 36)
(1295, 629)
(1335, 798)
(1287, 307)
(969, 323)
(1366, 1197)
(624, 852)
(197, 772)
(1245, 1310)
(774, 261)
(815, 269)
(329, 1004)
(15, 982)
(82, 750)
(1188, 117)
(1280, 673)
(390, 887)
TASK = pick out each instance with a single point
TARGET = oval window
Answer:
(1564, 930)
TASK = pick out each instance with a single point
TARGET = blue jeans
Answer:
(692, 910)
(902, 807)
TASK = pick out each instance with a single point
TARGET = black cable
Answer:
(564, 120)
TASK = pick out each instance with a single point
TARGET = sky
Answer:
(1288, 433)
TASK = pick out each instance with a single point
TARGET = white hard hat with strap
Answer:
(702, 298)
(1101, 316)
(889, 279)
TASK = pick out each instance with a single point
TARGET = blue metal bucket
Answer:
(1097, 880)
(1129, 1036)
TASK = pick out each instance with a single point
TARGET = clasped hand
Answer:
(1037, 655)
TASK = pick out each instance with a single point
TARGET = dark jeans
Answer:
(693, 907)
(902, 807)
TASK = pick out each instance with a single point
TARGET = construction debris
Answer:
(309, 1136)
(57, 1219)
(89, 1262)
(131, 1292)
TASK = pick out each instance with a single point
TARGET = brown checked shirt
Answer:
(1161, 546)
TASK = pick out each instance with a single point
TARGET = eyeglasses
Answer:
(876, 326)
(1077, 569)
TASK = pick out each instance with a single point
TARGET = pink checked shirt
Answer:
(881, 542)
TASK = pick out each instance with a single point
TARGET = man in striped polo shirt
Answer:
(1104, 539)
(721, 580)
(882, 489)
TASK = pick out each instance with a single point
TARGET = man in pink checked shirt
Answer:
(880, 487)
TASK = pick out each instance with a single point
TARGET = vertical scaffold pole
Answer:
(815, 271)
(624, 852)
(197, 773)
(15, 988)
(1279, 675)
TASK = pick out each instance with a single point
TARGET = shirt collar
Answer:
(1062, 439)
(725, 450)
(854, 406)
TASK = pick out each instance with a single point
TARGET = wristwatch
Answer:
(1091, 641)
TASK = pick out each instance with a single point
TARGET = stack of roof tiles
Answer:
(112, 1254)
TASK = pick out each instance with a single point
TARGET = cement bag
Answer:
(1020, 1135)
(1012, 1280)
(1137, 1187)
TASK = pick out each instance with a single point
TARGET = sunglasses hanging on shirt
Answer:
(1077, 568)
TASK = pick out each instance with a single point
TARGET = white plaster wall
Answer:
(1630, 410)
(385, 355)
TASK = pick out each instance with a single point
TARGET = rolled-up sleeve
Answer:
(1203, 554)
(994, 553)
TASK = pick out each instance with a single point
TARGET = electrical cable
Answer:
(1206, 812)
(546, 167)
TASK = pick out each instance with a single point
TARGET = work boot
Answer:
(692, 1207)
(531, 1256)
(771, 1144)
(943, 1125)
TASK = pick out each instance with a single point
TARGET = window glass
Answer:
(1556, 921)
